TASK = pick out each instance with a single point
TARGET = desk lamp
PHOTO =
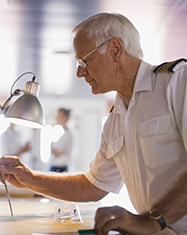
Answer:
(26, 110)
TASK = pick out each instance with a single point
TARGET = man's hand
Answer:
(118, 219)
(15, 171)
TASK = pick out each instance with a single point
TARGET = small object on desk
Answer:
(67, 212)
(8, 196)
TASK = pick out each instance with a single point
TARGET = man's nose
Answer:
(80, 72)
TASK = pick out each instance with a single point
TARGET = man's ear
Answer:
(116, 49)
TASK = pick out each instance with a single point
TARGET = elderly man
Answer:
(144, 140)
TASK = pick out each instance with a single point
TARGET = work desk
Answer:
(34, 215)
(34, 207)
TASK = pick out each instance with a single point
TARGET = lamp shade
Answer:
(27, 110)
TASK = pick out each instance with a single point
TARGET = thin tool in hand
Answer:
(8, 196)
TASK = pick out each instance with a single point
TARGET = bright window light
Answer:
(57, 132)
(45, 149)
(49, 134)
(150, 40)
(57, 71)
(4, 124)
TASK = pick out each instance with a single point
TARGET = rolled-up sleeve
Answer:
(104, 172)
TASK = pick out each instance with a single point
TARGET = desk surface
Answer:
(23, 225)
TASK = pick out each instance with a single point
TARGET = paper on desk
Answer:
(13, 191)
(23, 217)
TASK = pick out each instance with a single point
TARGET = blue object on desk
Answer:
(88, 232)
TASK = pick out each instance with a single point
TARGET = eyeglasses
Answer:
(81, 62)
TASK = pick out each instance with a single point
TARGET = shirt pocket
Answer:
(158, 141)
(116, 151)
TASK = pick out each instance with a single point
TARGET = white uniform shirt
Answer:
(63, 144)
(145, 145)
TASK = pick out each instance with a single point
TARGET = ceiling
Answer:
(35, 35)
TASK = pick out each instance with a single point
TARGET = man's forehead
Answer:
(81, 45)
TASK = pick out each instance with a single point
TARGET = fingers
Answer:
(101, 220)
(107, 219)
(3, 177)
(7, 166)
(10, 160)
(14, 171)
(107, 227)
(118, 219)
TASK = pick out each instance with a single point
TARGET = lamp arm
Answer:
(33, 79)
(17, 91)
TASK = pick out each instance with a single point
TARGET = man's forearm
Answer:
(58, 185)
(70, 188)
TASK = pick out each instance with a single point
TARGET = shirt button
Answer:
(138, 178)
(112, 151)
(132, 147)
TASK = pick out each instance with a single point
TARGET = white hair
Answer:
(104, 26)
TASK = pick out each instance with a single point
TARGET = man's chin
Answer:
(95, 92)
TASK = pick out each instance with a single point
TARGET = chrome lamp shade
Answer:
(26, 110)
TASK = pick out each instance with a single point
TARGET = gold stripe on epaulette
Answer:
(168, 66)
(112, 108)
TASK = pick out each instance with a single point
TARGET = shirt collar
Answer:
(143, 83)
(143, 78)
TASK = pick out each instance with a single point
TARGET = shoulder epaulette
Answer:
(168, 66)
(112, 108)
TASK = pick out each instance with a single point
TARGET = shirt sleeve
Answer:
(178, 94)
(104, 173)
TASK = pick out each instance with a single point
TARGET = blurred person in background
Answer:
(62, 148)
(12, 144)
